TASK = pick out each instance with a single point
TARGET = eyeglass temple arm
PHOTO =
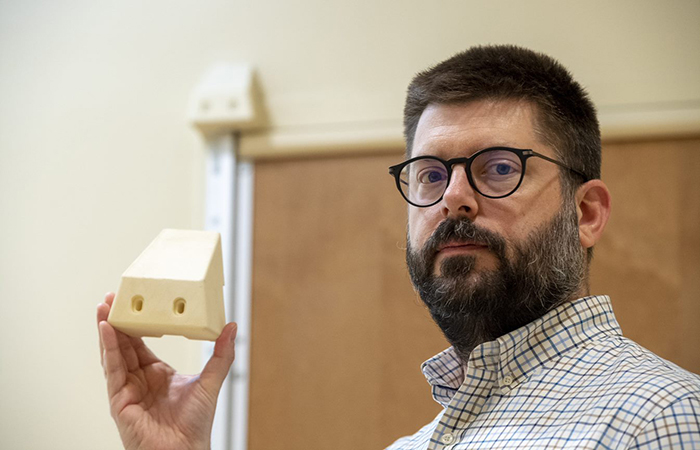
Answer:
(559, 163)
(394, 173)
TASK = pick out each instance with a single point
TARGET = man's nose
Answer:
(460, 199)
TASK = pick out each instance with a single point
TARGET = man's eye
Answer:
(501, 169)
(429, 176)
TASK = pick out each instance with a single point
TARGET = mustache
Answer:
(463, 230)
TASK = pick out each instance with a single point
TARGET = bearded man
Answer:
(505, 206)
(502, 178)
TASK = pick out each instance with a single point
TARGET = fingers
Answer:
(127, 346)
(103, 308)
(144, 354)
(115, 370)
(219, 364)
(102, 314)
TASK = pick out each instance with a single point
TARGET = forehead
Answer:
(450, 130)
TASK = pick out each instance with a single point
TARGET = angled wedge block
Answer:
(174, 287)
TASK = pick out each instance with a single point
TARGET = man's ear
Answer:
(593, 208)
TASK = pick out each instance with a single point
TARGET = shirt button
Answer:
(447, 438)
(507, 380)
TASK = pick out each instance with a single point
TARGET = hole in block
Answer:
(179, 306)
(137, 303)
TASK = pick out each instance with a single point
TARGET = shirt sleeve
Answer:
(677, 426)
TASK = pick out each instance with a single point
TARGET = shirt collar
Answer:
(516, 354)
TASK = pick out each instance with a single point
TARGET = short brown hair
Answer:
(566, 118)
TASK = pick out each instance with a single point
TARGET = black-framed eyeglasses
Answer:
(494, 172)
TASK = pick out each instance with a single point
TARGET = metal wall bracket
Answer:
(222, 105)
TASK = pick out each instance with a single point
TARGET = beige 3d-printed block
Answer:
(174, 287)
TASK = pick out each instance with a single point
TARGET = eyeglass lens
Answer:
(495, 173)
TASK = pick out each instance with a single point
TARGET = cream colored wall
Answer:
(96, 155)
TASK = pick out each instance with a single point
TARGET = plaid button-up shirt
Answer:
(567, 380)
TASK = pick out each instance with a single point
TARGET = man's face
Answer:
(487, 266)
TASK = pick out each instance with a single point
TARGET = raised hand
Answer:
(153, 406)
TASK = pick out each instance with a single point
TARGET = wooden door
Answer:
(338, 334)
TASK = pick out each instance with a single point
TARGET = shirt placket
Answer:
(464, 408)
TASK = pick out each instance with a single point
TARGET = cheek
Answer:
(420, 227)
(515, 233)
(512, 218)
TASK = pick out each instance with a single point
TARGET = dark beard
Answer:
(471, 308)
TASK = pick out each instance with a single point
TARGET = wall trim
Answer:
(623, 123)
(327, 139)
(677, 120)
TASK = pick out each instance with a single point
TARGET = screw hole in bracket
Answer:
(137, 303)
(179, 306)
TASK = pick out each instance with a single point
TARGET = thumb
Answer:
(219, 364)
